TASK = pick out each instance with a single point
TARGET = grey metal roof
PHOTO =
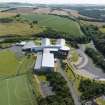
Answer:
(38, 61)
(29, 44)
(45, 42)
(60, 42)
(48, 60)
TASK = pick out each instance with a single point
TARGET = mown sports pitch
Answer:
(16, 91)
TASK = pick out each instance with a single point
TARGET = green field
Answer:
(5, 14)
(102, 30)
(18, 28)
(16, 91)
(56, 23)
(100, 101)
(15, 87)
(10, 64)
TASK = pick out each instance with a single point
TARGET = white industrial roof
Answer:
(60, 42)
(38, 61)
(45, 42)
(48, 60)
(49, 49)
(28, 45)
(65, 48)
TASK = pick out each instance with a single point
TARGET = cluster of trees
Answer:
(6, 20)
(20, 19)
(93, 13)
(97, 57)
(90, 19)
(97, 37)
(62, 95)
(91, 89)
(64, 16)
(71, 38)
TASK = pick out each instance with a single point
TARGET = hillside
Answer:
(55, 22)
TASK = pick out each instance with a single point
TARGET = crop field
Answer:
(56, 23)
(11, 65)
(16, 91)
(18, 28)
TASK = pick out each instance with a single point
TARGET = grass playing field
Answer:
(56, 22)
(18, 28)
(11, 65)
(16, 91)
(15, 87)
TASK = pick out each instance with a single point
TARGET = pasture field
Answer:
(16, 91)
(102, 30)
(55, 22)
(5, 14)
(100, 101)
(18, 28)
(10, 64)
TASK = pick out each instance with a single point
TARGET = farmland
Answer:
(22, 27)
(102, 30)
(15, 87)
(55, 22)
(3, 14)
(18, 28)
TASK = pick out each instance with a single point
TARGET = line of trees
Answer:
(95, 35)
(6, 20)
(62, 95)
(97, 57)
(55, 34)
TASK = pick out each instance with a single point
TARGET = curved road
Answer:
(88, 68)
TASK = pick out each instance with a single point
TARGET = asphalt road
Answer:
(71, 86)
(88, 65)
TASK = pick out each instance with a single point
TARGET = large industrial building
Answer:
(46, 53)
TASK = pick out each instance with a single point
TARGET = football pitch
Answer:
(16, 91)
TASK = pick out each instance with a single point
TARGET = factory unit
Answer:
(44, 62)
(46, 53)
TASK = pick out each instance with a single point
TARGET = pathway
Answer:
(71, 86)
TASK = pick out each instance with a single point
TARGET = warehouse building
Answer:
(46, 53)
(44, 62)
